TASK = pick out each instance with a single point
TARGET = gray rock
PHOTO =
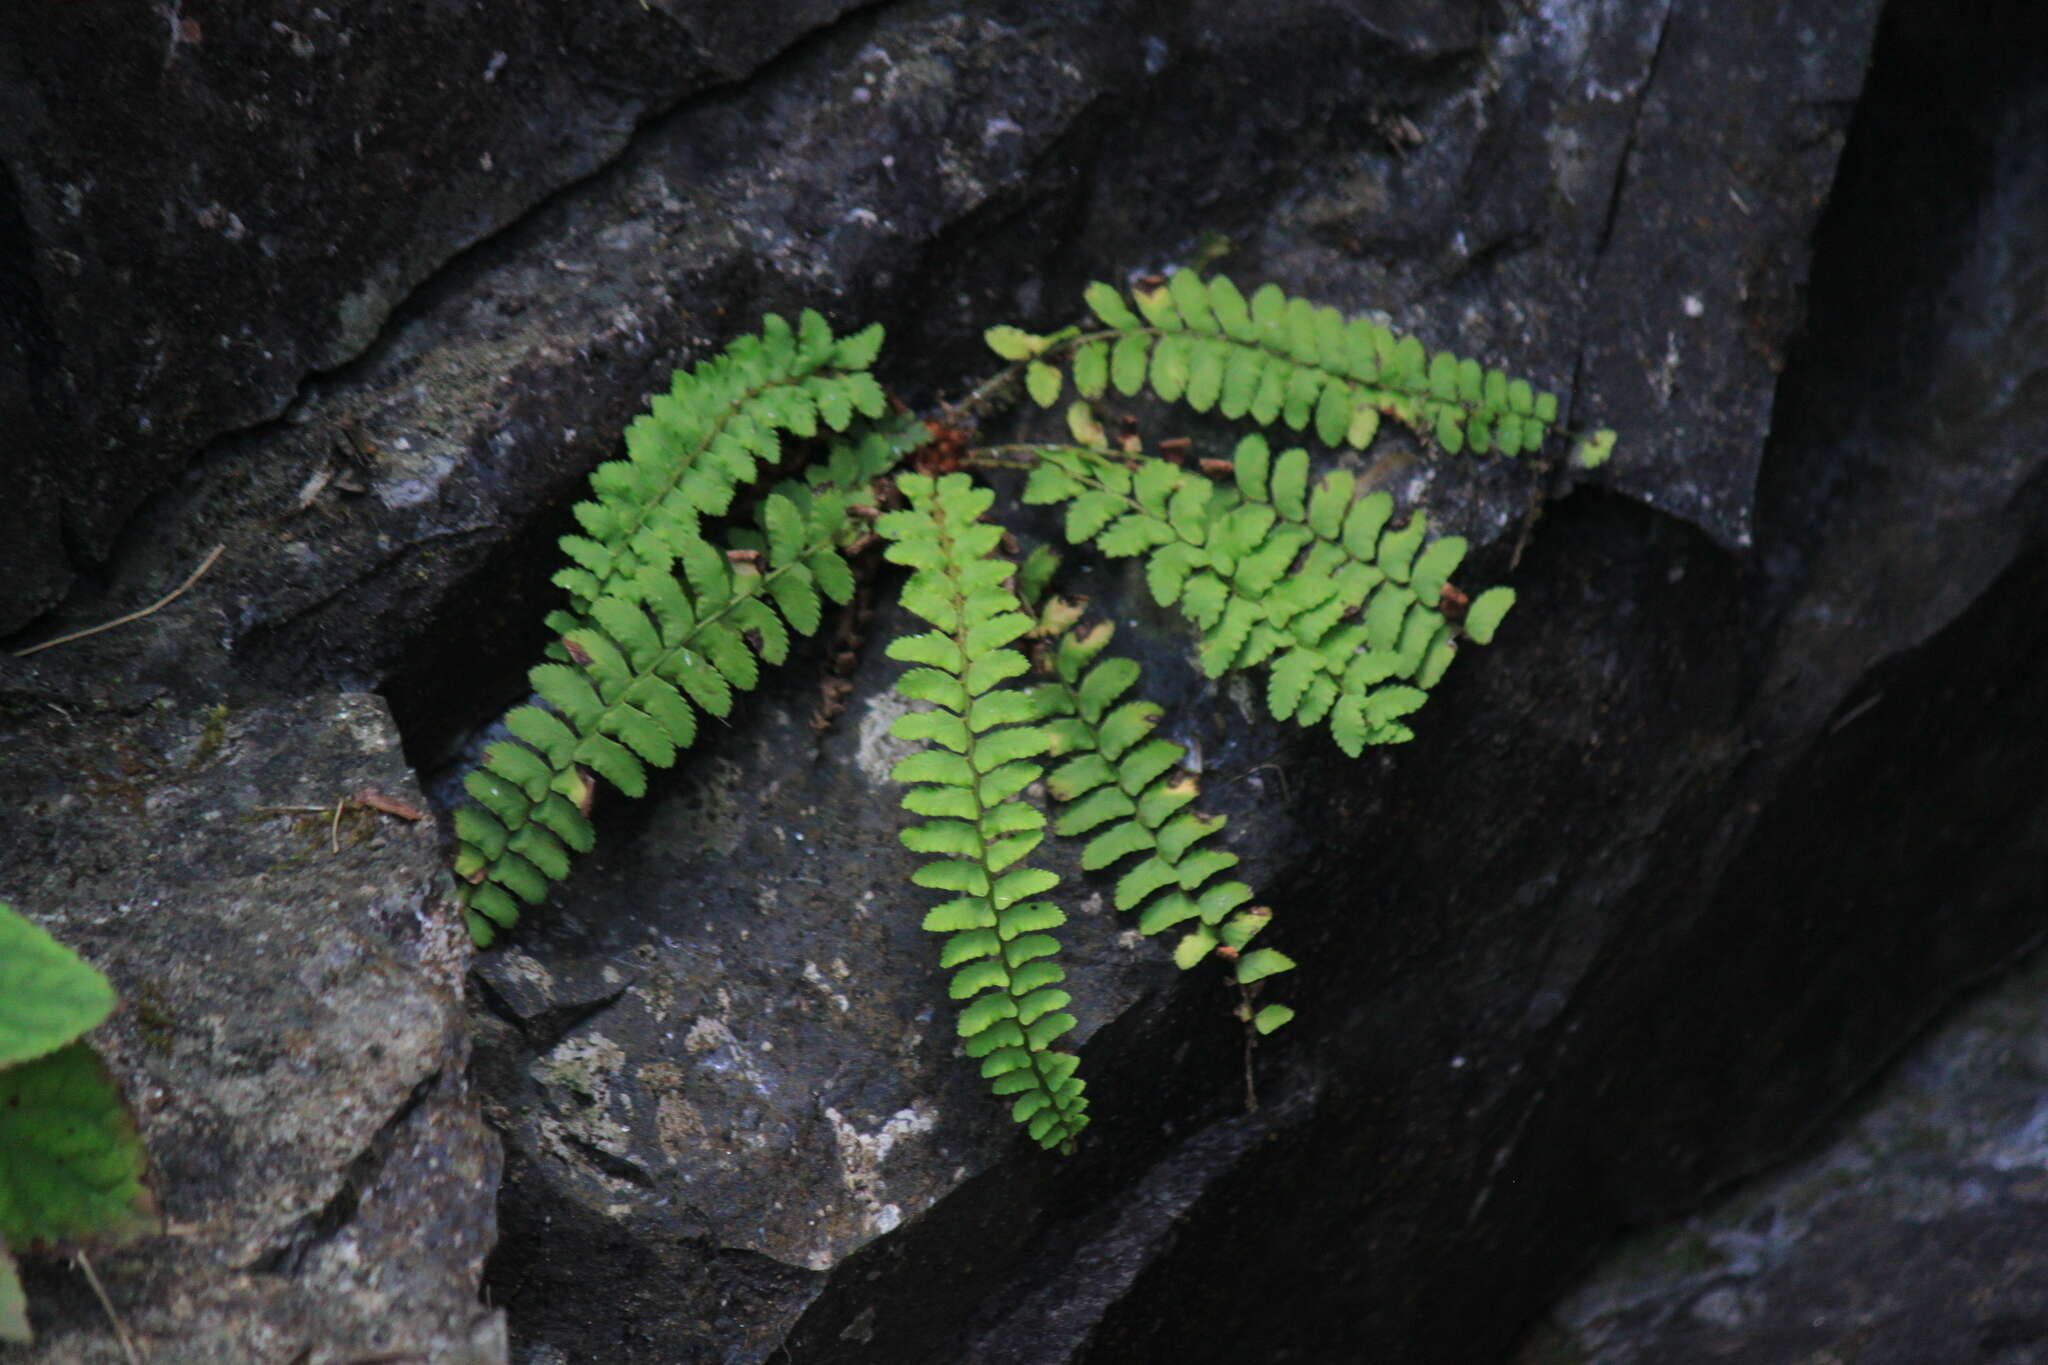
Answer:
(290, 1034)
(1647, 898)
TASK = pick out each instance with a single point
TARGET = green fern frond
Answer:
(982, 744)
(1129, 794)
(715, 430)
(1272, 358)
(642, 660)
(1347, 611)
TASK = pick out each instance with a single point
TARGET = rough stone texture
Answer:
(1673, 867)
(168, 277)
(1914, 1236)
(290, 1032)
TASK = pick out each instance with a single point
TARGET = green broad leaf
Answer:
(1288, 680)
(1333, 413)
(858, 352)
(1106, 303)
(13, 1303)
(611, 761)
(1193, 946)
(1043, 383)
(1202, 864)
(1298, 405)
(1328, 504)
(784, 526)
(1397, 548)
(1042, 1032)
(978, 976)
(1191, 300)
(1170, 367)
(568, 824)
(1269, 316)
(1104, 683)
(1175, 907)
(930, 648)
(1029, 976)
(1330, 341)
(1365, 424)
(1089, 513)
(1363, 522)
(498, 796)
(1178, 837)
(1018, 883)
(934, 765)
(1125, 726)
(474, 826)
(1434, 566)
(491, 902)
(953, 874)
(1594, 449)
(1003, 853)
(1469, 381)
(1389, 703)
(1271, 1017)
(1252, 464)
(1450, 431)
(1014, 343)
(1155, 301)
(1115, 844)
(520, 766)
(1521, 397)
(1443, 375)
(1103, 804)
(1039, 1003)
(1260, 963)
(1145, 764)
(1091, 369)
(1239, 930)
(1385, 614)
(998, 747)
(1078, 776)
(931, 685)
(1347, 723)
(535, 844)
(1442, 650)
(72, 1165)
(1275, 379)
(569, 692)
(968, 944)
(1133, 534)
(1141, 881)
(1030, 917)
(1153, 484)
(1003, 1034)
(796, 600)
(955, 837)
(1127, 363)
(960, 914)
(1290, 484)
(642, 734)
(702, 682)
(1001, 708)
(1231, 310)
(1483, 617)
(48, 995)
(977, 1017)
(1408, 364)
(1243, 368)
(543, 731)
(991, 669)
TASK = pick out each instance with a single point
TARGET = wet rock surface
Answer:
(1746, 791)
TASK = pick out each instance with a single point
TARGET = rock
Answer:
(290, 1034)
(297, 177)
(1912, 1234)
(1644, 902)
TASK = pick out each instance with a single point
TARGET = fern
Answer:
(1130, 794)
(1347, 610)
(1353, 617)
(981, 742)
(644, 656)
(699, 443)
(1273, 358)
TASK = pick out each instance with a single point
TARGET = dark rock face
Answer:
(1725, 815)
(291, 1031)
(199, 209)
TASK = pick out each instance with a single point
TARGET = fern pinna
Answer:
(981, 742)
(1349, 607)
